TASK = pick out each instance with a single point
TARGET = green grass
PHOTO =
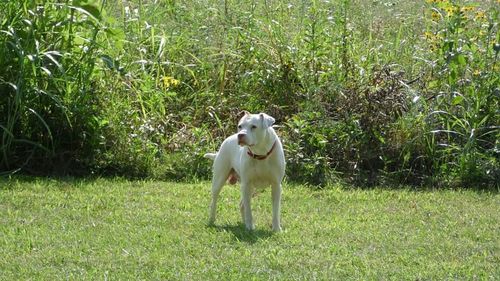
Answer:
(152, 230)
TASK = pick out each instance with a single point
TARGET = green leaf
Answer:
(379, 136)
(93, 10)
(108, 61)
(457, 100)
(433, 84)
(452, 78)
(117, 36)
(461, 60)
(90, 8)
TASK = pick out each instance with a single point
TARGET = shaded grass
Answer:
(116, 229)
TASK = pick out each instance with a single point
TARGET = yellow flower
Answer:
(432, 38)
(467, 9)
(451, 10)
(169, 81)
(480, 15)
(437, 1)
(435, 16)
(477, 72)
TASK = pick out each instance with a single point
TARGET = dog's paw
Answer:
(211, 221)
(250, 227)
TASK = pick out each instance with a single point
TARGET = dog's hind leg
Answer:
(216, 188)
(219, 178)
(276, 197)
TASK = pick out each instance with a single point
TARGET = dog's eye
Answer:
(254, 127)
(239, 127)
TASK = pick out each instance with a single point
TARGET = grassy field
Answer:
(151, 230)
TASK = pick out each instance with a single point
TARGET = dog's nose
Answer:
(241, 136)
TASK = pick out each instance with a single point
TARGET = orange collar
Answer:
(261, 157)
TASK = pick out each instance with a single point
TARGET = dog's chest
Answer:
(261, 173)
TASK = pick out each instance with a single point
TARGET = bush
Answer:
(144, 89)
(48, 105)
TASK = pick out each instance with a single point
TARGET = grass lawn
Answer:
(135, 230)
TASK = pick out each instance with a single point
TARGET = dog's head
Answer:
(252, 128)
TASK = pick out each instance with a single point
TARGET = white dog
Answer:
(254, 156)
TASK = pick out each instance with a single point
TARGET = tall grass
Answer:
(364, 91)
(47, 103)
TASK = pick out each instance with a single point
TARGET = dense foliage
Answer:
(364, 91)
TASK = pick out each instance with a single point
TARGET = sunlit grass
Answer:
(116, 229)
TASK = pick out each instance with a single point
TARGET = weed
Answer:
(399, 91)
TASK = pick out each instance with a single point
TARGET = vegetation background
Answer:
(367, 92)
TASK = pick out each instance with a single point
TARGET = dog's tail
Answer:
(210, 155)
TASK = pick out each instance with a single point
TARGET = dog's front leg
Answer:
(276, 197)
(246, 197)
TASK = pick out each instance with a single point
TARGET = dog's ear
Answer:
(267, 120)
(243, 113)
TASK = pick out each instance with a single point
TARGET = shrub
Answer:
(48, 107)
(368, 94)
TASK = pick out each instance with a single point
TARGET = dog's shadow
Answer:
(241, 234)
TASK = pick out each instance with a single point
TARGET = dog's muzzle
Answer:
(241, 139)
